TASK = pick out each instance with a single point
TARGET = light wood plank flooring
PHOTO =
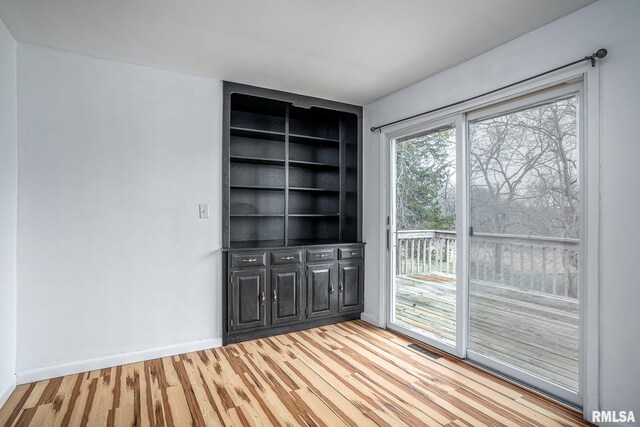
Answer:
(346, 374)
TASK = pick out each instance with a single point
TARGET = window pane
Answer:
(524, 201)
(425, 190)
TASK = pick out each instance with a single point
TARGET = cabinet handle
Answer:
(354, 253)
(286, 258)
(331, 288)
(275, 296)
(340, 288)
(323, 255)
(261, 297)
(249, 260)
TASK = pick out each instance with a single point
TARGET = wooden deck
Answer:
(529, 330)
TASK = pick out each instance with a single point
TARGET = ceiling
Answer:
(347, 50)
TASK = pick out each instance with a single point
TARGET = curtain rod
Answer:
(599, 54)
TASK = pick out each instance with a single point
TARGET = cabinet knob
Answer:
(262, 298)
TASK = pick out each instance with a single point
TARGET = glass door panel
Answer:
(524, 250)
(424, 256)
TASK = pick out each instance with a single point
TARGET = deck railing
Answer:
(421, 251)
(542, 264)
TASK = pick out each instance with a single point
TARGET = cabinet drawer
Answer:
(350, 253)
(249, 259)
(286, 257)
(320, 255)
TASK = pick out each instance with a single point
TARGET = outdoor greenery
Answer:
(523, 174)
(425, 182)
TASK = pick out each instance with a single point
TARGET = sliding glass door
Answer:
(524, 198)
(484, 237)
(425, 280)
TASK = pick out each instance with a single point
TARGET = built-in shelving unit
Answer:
(291, 171)
(292, 229)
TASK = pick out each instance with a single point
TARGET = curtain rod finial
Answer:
(599, 54)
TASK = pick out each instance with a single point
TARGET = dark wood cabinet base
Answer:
(275, 291)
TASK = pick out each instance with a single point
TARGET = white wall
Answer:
(8, 211)
(612, 24)
(112, 257)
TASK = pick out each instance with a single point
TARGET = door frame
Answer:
(422, 127)
(590, 229)
(562, 92)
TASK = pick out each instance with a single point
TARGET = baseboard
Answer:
(4, 394)
(374, 320)
(55, 371)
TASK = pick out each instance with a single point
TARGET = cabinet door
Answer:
(248, 289)
(350, 286)
(321, 290)
(286, 298)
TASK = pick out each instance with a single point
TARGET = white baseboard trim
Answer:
(55, 371)
(4, 394)
(374, 320)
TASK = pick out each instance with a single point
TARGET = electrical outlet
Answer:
(204, 210)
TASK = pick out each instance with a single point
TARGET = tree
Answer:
(524, 174)
(425, 181)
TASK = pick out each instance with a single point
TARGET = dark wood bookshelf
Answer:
(292, 212)
(292, 168)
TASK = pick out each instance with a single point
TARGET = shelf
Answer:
(264, 134)
(306, 139)
(279, 244)
(256, 187)
(279, 136)
(256, 160)
(315, 215)
(281, 215)
(241, 244)
(256, 215)
(322, 190)
(313, 242)
(301, 163)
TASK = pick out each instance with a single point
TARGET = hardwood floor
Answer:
(346, 374)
